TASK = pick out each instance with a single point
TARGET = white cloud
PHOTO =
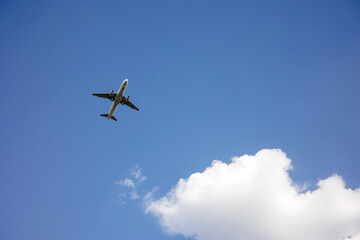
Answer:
(127, 183)
(131, 184)
(253, 198)
(137, 173)
(149, 195)
(134, 195)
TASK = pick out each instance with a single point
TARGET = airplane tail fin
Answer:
(106, 115)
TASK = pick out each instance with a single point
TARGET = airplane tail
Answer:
(107, 115)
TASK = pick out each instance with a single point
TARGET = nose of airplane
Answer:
(125, 80)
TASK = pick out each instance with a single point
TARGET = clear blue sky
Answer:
(212, 79)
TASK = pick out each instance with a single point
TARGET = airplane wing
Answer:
(105, 95)
(129, 104)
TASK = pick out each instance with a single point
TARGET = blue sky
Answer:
(212, 79)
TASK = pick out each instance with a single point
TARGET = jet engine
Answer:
(112, 93)
(128, 97)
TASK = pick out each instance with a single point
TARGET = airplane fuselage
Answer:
(118, 98)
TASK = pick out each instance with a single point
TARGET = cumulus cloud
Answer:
(254, 198)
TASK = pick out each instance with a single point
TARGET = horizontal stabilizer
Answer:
(107, 115)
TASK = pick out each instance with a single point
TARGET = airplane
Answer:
(116, 98)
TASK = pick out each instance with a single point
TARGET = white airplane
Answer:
(116, 98)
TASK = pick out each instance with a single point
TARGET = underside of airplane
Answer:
(116, 98)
